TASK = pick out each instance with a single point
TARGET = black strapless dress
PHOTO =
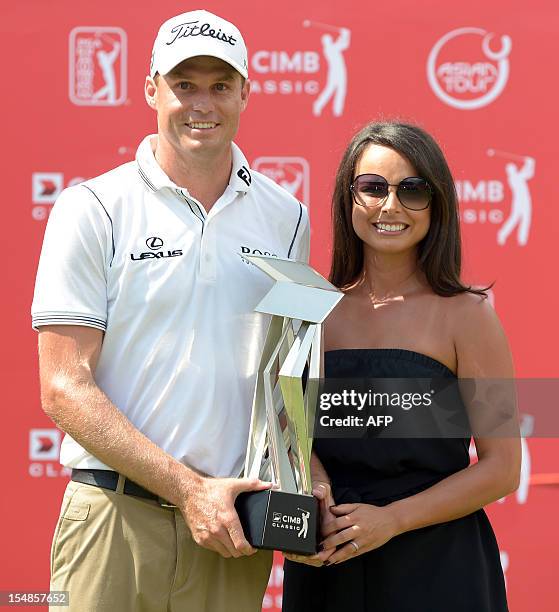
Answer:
(448, 567)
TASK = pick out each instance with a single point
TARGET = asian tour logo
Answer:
(291, 173)
(97, 66)
(503, 202)
(299, 72)
(465, 70)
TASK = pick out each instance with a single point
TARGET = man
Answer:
(149, 344)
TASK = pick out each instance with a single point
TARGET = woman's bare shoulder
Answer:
(336, 324)
(469, 309)
(480, 341)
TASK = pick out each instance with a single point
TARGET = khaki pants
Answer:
(115, 552)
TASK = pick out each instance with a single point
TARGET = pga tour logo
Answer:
(97, 66)
(290, 522)
(44, 444)
(466, 71)
(291, 173)
(301, 72)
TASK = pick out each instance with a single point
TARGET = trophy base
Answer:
(276, 520)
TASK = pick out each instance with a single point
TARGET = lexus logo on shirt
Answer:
(154, 243)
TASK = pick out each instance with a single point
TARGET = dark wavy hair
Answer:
(439, 253)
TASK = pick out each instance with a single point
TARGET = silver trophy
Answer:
(283, 411)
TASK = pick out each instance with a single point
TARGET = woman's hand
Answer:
(322, 490)
(358, 528)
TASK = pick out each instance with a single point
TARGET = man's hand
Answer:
(314, 560)
(209, 511)
(68, 357)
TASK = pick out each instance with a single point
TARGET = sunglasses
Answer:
(369, 190)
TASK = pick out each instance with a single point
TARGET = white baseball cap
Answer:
(198, 33)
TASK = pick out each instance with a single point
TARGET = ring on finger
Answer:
(354, 544)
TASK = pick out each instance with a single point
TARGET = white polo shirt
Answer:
(133, 254)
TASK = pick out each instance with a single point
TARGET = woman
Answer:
(408, 532)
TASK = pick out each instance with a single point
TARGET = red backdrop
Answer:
(474, 74)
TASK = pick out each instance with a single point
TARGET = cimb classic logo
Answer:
(44, 444)
(301, 72)
(44, 451)
(293, 523)
(45, 189)
(505, 200)
(155, 244)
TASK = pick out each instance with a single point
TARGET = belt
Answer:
(108, 479)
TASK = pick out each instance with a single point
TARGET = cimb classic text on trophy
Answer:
(283, 411)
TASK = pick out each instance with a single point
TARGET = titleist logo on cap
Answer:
(190, 28)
